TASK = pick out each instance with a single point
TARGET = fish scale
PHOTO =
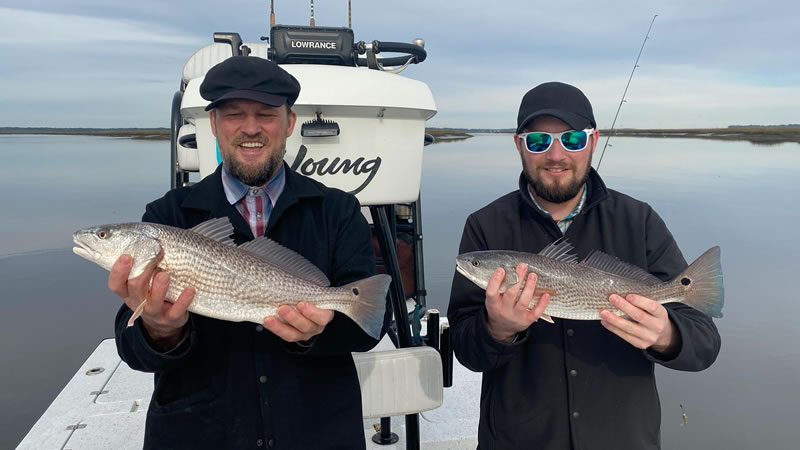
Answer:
(246, 283)
(581, 290)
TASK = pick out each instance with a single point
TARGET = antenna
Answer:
(312, 13)
(635, 65)
(271, 12)
(349, 14)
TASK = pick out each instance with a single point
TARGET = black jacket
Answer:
(236, 385)
(573, 384)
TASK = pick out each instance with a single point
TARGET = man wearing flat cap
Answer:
(570, 384)
(291, 382)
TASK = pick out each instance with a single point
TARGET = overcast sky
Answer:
(100, 63)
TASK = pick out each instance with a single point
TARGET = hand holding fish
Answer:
(163, 321)
(650, 327)
(299, 324)
(511, 312)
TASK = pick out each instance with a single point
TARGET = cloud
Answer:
(25, 28)
(707, 63)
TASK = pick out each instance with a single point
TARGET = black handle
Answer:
(410, 50)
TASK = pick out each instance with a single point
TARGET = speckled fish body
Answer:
(580, 290)
(244, 283)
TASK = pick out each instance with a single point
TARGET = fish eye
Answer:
(476, 263)
(103, 234)
(686, 281)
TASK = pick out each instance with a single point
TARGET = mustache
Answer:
(242, 138)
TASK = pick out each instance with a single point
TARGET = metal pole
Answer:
(446, 353)
(412, 432)
(635, 65)
(176, 176)
(433, 328)
(385, 436)
(419, 266)
(386, 240)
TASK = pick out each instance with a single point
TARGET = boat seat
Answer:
(213, 54)
(399, 382)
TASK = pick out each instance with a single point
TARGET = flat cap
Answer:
(249, 78)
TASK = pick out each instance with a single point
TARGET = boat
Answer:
(361, 128)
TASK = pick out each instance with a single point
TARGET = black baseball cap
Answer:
(249, 78)
(559, 100)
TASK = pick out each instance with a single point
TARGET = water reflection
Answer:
(55, 307)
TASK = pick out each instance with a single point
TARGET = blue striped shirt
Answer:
(254, 203)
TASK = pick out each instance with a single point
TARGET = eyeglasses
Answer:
(540, 141)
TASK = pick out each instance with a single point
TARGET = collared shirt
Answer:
(564, 223)
(254, 203)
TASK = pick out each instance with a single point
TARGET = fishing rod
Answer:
(635, 65)
(312, 13)
(271, 12)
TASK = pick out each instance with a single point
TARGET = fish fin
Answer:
(369, 307)
(537, 294)
(612, 264)
(143, 257)
(705, 292)
(286, 259)
(509, 279)
(560, 250)
(136, 313)
(219, 229)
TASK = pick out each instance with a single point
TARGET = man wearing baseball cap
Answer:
(570, 384)
(291, 382)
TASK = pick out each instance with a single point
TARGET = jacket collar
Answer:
(597, 192)
(209, 195)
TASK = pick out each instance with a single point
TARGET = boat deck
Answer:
(103, 406)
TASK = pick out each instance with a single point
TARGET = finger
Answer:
(293, 317)
(651, 306)
(537, 311)
(118, 278)
(493, 287)
(319, 316)
(633, 311)
(180, 308)
(510, 297)
(526, 296)
(282, 330)
(627, 337)
(158, 291)
(628, 327)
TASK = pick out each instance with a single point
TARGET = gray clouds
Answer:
(712, 63)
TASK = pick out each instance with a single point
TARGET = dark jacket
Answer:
(236, 385)
(573, 384)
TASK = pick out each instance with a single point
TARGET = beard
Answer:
(254, 175)
(556, 193)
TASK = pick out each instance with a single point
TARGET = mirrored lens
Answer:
(574, 140)
(538, 142)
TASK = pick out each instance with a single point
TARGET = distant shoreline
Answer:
(756, 135)
(157, 134)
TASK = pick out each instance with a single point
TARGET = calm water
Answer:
(54, 307)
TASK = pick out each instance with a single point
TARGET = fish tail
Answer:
(370, 303)
(706, 293)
